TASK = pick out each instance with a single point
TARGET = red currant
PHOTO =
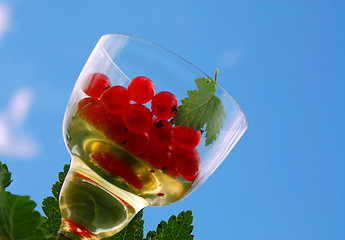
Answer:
(172, 170)
(97, 84)
(187, 162)
(118, 167)
(115, 99)
(141, 89)
(164, 105)
(94, 113)
(187, 138)
(158, 157)
(136, 143)
(114, 128)
(137, 118)
(162, 133)
(102, 159)
(84, 102)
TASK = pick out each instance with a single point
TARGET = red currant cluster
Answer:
(120, 114)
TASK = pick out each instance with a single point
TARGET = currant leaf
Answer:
(150, 235)
(50, 205)
(5, 176)
(58, 184)
(179, 227)
(18, 218)
(202, 107)
(52, 211)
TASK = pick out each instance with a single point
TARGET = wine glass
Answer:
(131, 155)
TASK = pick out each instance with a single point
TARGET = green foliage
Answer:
(5, 176)
(150, 235)
(58, 184)
(177, 228)
(50, 205)
(202, 107)
(18, 219)
(51, 209)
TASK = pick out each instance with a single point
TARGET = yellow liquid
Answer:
(101, 202)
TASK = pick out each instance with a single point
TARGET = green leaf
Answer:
(202, 107)
(52, 211)
(177, 228)
(150, 235)
(133, 231)
(206, 85)
(213, 129)
(58, 184)
(50, 205)
(5, 176)
(18, 219)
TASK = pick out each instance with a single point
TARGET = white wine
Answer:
(96, 199)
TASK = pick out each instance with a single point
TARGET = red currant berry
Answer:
(114, 128)
(97, 84)
(187, 162)
(158, 157)
(84, 102)
(102, 160)
(172, 170)
(187, 138)
(162, 133)
(115, 99)
(136, 143)
(164, 105)
(141, 89)
(118, 167)
(94, 113)
(137, 118)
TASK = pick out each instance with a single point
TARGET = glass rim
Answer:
(186, 61)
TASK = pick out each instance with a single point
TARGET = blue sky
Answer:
(283, 61)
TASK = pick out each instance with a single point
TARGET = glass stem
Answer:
(71, 231)
(93, 208)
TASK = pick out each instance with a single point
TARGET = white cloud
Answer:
(232, 57)
(13, 141)
(5, 16)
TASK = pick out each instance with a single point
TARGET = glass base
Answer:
(71, 231)
(91, 207)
